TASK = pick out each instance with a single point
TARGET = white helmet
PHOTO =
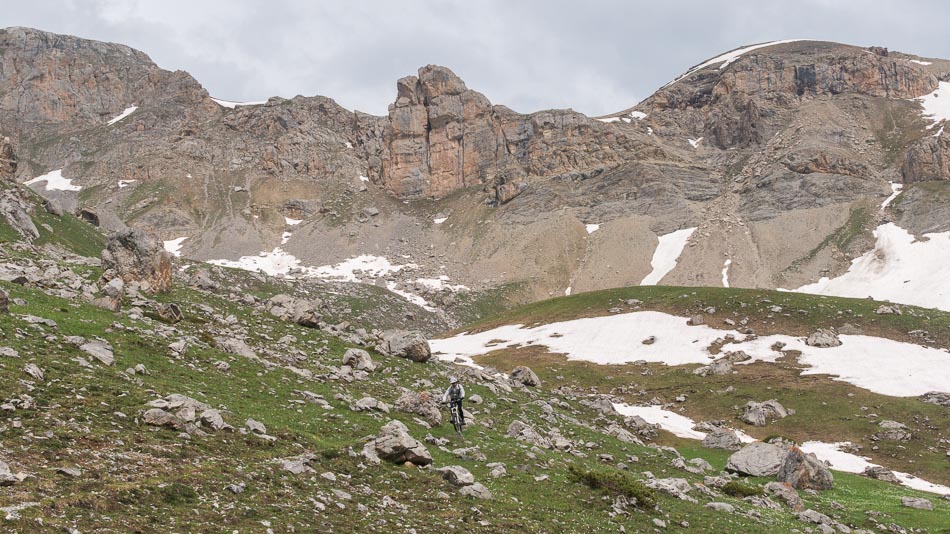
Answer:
(453, 379)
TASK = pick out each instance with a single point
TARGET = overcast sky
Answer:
(593, 56)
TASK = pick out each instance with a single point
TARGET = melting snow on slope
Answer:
(667, 252)
(851, 463)
(725, 273)
(936, 104)
(632, 116)
(865, 361)
(231, 105)
(55, 181)
(125, 113)
(919, 62)
(694, 142)
(672, 422)
(591, 228)
(285, 237)
(899, 269)
(173, 246)
(292, 222)
(440, 220)
(125, 183)
(895, 190)
(567, 292)
(729, 57)
(364, 178)
(411, 297)
(440, 284)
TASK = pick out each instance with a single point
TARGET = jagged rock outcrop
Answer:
(138, 259)
(805, 471)
(8, 162)
(441, 136)
(927, 159)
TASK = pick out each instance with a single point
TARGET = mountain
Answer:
(792, 138)
(144, 388)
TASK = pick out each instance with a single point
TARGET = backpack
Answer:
(455, 392)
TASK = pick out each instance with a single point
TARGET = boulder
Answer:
(406, 344)
(721, 507)
(524, 375)
(760, 413)
(823, 338)
(99, 350)
(420, 404)
(696, 320)
(369, 404)
(787, 493)
(7, 478)
(169, 313)
(757, 459)
(394, 444)
(159, 417)
(892, 431)
(805, 471)
(138, 258)
(932, 397)
(477, 491)
(721, 366)
(212, 418)
(358, 359)
(522, 431)
(722, 438)
(456, 475)
(888, 309)
(54, 207)
(255, 426)
(917, 502)
(881, 473)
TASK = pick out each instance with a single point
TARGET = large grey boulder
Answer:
(721, 366)
(932, 397)
(524, 375)
(16, 212)
(394, 444)
(892, 431)
(477, 491)
(524, 432)
(358, 359)
(99, 350)
(917, 502)
(406, 344)
(722, 438)
(456, 475)
(757, 459)
(138, 258)
(805, 471)
(823, 338)
(420, 404)
(760, 413)
(881, 473)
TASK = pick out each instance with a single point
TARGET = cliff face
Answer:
(798, 137)
(441, 136)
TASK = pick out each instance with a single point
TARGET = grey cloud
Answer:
(596, 57)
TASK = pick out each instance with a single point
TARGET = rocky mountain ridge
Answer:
(799, 137)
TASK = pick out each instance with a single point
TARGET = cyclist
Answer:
(455, 394)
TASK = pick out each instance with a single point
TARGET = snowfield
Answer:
(728, 58)
(899, 269)
(55, 181)
(231, 105)
(667, 252)
(936, 105)
(864, 361)
(672, 422)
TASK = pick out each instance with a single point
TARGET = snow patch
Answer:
(231, 105)
(939, 132)
(919, 62)
(567, 292)
(411, 297)
(125, 113)
(666, 254)
(694, 142)
(852, 463)
(125, 183)
(895, 190)
(591, 228)
(672, 422)
(899, 269)
(864, 361)
(936, 105)
(440, 220)
(285, 237)
(638, 115)
(440, 284)
(364, 178)
(292, 222)
(173, 246)
(55, 181)
(725, 273)
(729, 57)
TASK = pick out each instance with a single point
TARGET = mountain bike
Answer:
(456, 417)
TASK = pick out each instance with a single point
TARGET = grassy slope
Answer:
(153, 477)
(828, 410)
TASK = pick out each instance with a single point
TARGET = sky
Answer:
(596, 57)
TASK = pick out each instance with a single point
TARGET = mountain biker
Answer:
(455, 394)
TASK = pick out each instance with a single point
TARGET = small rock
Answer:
(456, 475)
(917, 502)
